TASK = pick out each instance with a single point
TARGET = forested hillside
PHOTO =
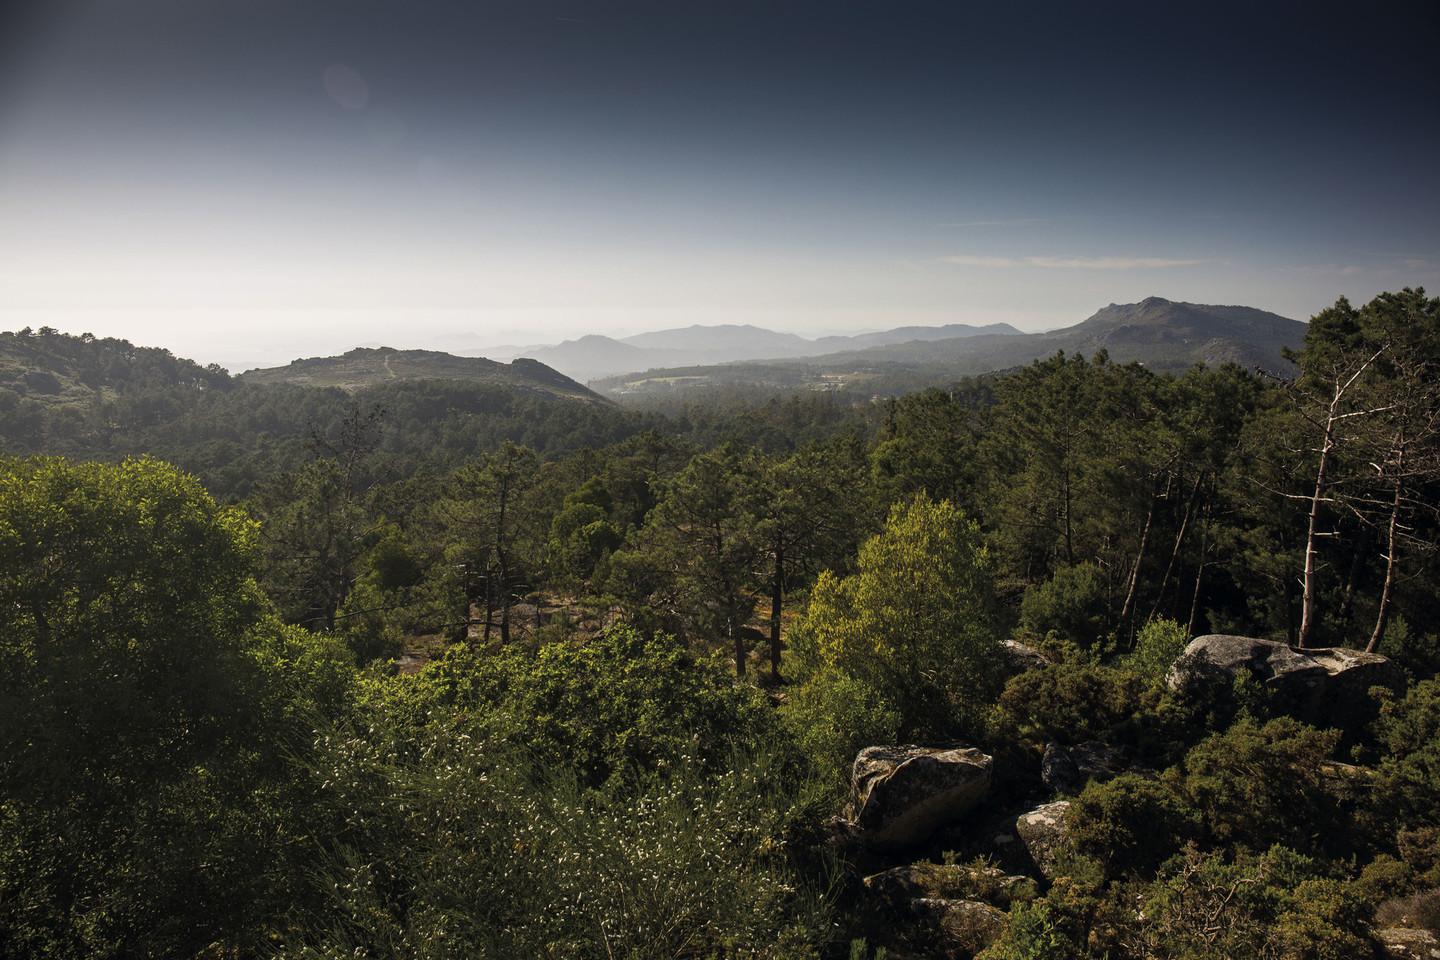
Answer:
(439, 669)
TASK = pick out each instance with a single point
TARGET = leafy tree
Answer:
(809, 511)
(929, 443)
(915, 622)
(619, 704)
(1402, 444)
(315, 523)
(703, 543)
(581, 534)
(148, 709)
(1038, 448)
(1070, 614)
(493, 528)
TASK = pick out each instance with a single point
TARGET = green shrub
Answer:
(1156, 647)
(1072, 703)
(1408, 733)
(459, 847)
(1259, 785)
(834, 715)
(1069, 615)
(1130, 824)
(617, 703)
(1208, 906)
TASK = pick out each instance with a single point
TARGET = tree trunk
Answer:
(1175, 550)
(777, 598)
(489, 604)
(1069, 532)
(1333, 417)
(1312, 533)
(1357, 564)
(737, 639)
(1129, 604)
(1391, 549)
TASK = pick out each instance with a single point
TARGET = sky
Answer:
(253, 181)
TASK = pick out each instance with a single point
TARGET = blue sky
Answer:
(254, 181)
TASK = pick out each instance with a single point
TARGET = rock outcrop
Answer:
(966, 924)
(1067, 769)
(1043, 831)
(1402, 943)
(1019, 658)
(899, 886)
(1327, 687)
(900, 796)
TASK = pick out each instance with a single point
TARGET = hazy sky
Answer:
(255, 180)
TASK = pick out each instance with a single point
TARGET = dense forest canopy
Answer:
(658, 639)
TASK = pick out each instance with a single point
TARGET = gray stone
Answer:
(1327, 687)
(900, 796)
(1067, 769)
(1020, 658)
(966, 924)
(1403, 943)
(898, 886)
(1095, 759)
(1043, 831)
(1058, 769)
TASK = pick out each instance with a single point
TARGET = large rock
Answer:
(1058, 770)
(1043, 831)
(965, 924)
(900, 796)
(900, 886)
(1020, 659)
(1067, 769)
(1326, 687)
(1402, 943)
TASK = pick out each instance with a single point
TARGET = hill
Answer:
(367, 367)
(1161, 334)
(591, 357)
(51, 368)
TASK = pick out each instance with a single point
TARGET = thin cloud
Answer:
(1110, 263)
(1019, 222)
(968, 261)
(1074, 263)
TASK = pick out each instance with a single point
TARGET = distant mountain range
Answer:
(592, 357)
(1160, 333)
(1164, 335)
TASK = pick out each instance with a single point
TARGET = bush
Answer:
(1207, 906)
(1259, 785)
(1419, 911)
(1130, 825)
(833, 716)
(1069, 615)
(1157, 646)
(1408, 732)
(619, 702)
(462, 848)
(1072, 703)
